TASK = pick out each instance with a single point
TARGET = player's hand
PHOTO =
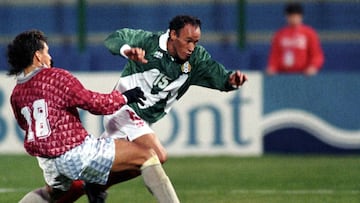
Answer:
(134, 95)
(136, 54)
(310, 71)
(270, 71)
(237, 78)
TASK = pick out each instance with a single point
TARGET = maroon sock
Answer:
(75, 192)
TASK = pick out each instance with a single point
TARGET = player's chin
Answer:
(185, 58)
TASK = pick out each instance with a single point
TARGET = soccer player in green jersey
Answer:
(164, 65)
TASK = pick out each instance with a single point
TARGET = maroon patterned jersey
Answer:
(45, 106)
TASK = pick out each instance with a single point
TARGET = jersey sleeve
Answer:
(133, 38)
(275, 54)
(210, 73)
(96, 103)
(316, 54)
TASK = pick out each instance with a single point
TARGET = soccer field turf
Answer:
(268, 179)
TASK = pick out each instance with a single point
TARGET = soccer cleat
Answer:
(94, 193)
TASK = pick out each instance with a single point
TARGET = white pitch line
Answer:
(8, 190)
(298, 192)
(281, 192)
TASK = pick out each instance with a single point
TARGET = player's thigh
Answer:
(125, 124)
(152, 141)
(129, 155)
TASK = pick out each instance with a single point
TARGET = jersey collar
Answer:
(163, 40)
(22, 78)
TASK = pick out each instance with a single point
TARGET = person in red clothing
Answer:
(296, 47)
(45, 101)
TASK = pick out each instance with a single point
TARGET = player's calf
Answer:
(157, 181)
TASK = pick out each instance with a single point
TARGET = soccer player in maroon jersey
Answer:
(296, 47)
(45, 101)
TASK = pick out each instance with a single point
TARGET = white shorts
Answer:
(125, 124)
(91, 161)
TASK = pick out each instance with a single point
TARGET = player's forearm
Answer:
(217, 79)
(100, 104)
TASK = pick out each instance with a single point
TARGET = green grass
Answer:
(268, 179)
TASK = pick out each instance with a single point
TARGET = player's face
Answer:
(185, 42)
(44, 56)
(294, 19)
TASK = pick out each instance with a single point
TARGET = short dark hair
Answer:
(178, 22)
(21, 50)
(293, 8)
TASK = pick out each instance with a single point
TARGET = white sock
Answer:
(39, 195)
(158, 182)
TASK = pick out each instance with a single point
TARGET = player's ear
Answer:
(37, 55)
(173, 34)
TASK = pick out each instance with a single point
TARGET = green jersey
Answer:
(163, 79)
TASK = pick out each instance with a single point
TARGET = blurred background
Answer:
(281, 114)
(235, 32)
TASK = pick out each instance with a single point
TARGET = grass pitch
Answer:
(267, 179)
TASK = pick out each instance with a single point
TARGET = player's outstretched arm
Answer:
(237, 78)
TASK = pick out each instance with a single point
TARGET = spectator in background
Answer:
(296, 47)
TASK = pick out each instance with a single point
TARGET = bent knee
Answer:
(162, 155)
(160, 152)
